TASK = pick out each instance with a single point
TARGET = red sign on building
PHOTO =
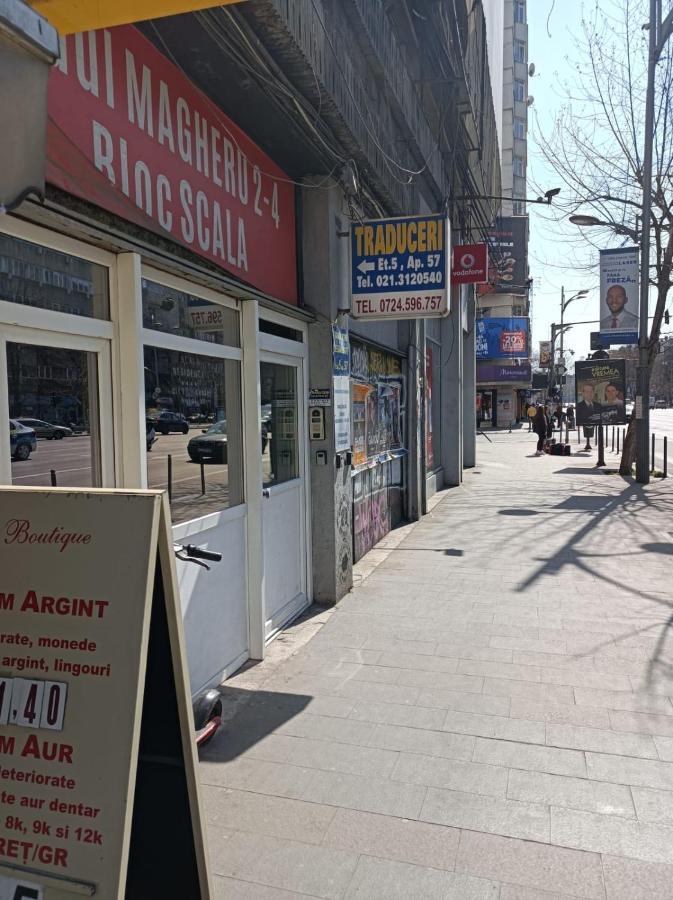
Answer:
(131, 134)
(470, 264)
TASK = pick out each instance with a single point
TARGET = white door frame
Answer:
(18, 334)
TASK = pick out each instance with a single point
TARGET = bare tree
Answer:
(596, 147)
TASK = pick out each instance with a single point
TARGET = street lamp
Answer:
(546, 198)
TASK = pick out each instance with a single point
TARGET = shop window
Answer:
(194, 431)
(280, 435)
(433, 384)
(48, 279)
(177, 313)
(53, 412)
(290, 334)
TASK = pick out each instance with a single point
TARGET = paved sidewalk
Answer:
(487, 715)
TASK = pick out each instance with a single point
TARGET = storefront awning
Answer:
(70, 16)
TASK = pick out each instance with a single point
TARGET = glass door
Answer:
(56, 428)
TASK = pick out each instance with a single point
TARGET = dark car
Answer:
(167, 421)
(211, 446)
(46, 429)
(22, 440)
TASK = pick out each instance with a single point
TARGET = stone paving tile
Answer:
(417, 740)
(443, 680)
(328, 728)
(379, 879)
(499, 670)
(513, 892)
(330, 706)
(434, 771)
(528, 756)
(295, 820)
(624, 700)
(258, 775)
(488, 814)
(378, 795)
(631, 879)
(628, 770)
(327, 755)
(404, 840)
(462, 701)
(391, 645)
(396, 714)
(653, 805)
(531, 865)
(582, 738)
(230, 888)
(664, 748)
(610, 834)
(474, 652)
(505, 687)
(288, 865)
(645, 723)
(577, 793)
(559, 713)
(494, 727)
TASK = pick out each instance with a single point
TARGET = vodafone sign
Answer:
(470, 264)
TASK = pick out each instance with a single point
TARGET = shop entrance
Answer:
(57, 417)
(284, 488)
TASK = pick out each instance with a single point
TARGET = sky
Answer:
(553, 260)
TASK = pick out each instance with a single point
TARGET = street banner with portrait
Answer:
(599, 392)
(619, 321)
(545, 354)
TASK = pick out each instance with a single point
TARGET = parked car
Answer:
(46, 429)
(660, 404)
(22, 440)
(211, 445)
(151, 433)
(168, 421)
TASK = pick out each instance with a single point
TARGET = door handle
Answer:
(266, 493)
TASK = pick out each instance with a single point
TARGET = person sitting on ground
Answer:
(540, 427)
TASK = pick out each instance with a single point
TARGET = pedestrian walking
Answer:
(530, 412)
(570, 413)
(541, 428)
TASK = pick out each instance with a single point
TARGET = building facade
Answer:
(180, 301)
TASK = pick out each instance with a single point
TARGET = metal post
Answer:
(642, 372)
(613, 438)
(665, 457)
(601, 447)
(169, 460)
(579, 439)
(618, 433)
(653, 439)
(203, 478)
(52, 475)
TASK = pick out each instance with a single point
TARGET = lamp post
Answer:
(564, 305)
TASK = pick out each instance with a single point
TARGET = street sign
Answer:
(470, 264)
(399, 268)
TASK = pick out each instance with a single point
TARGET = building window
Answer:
(520, 128)
(519, 167)
(177, 313)
(520, 12)
(518, 208)
(279, 414)
(519, 90)
(520, 51)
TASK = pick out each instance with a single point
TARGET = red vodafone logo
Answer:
(470, 264)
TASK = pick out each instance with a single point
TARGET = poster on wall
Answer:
(429, 452)
(508, 261)
(501, 338)
(377, 403)
(341, 367)
(545, 354)
(619, 302)
(599, 392)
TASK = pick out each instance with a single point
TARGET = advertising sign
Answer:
(505, 338)
(470, 264)
(619, 296)
(508, 263)
(488, 373)
(74, 15)
(429, 447)
(93, 695)
(399, 268)
(341, 369)
(129, 133)
(599, 392)
(545, 354)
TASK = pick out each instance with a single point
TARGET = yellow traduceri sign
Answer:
(70, 16)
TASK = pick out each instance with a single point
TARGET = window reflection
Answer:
(194, 432)
(175, 312)
(280, 449)
(53, 411)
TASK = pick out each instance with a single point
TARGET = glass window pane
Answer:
(54, 416)
(194, 431)
(175, 312)
(280, 445)
(34, 275)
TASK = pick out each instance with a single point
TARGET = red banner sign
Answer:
(470, 264)
(131, 134)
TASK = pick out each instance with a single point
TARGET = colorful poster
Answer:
(502, 338)
(359, 395)
(619, 304)
(429, 453)
(545, 354)
(599, 392)
(508, 262)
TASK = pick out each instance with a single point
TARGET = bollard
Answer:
(510, 426)
(579, 439)
(653, 439)
(665, 457)
(618, 433)
(203, 478)
(613, 438)
(52, 474)
(169, 460)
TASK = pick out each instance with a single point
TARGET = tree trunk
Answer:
(629, 450)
